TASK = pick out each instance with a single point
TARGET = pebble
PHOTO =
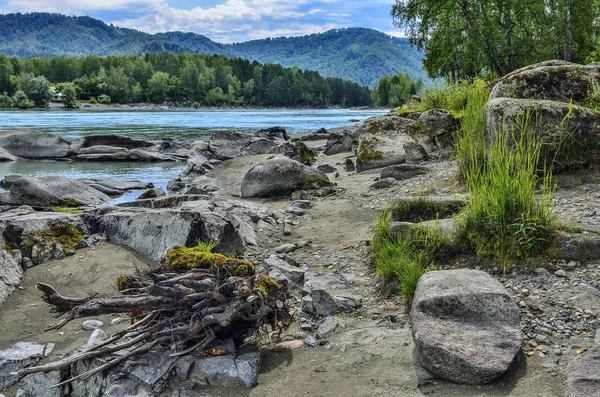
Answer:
(90, 325)
(286, 248)
(310, 341)
(560, 273)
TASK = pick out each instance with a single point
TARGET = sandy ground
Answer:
(373, 352)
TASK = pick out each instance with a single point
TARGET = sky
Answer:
(224, 21)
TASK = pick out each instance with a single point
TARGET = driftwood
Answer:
(181, 311)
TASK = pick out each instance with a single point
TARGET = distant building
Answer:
(103, 96)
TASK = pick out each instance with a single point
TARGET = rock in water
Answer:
(280, 177)
(35, 145)
(465, 326)
(583, 375)
(48, 191)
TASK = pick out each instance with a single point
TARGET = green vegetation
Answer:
(406, 258)
(356, 54)
(468, 39)
(505, 217)
(184, 78)
(395, 90)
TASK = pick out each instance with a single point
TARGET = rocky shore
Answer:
(302, 209)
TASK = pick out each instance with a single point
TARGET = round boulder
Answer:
(281, 177)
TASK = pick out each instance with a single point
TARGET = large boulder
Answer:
(280, 177)
(225, 145)
(381, 141)
(35, 144)
(465, 326)
(152, 232)
(341, 142)
(583, 375)
(552, 80)
(439, 125)
(5, 156)
(49, 191)
(570, 133)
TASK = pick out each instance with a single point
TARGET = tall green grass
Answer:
(509, 214)
(470, 139)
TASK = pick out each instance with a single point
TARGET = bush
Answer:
(93, 100)
(6, 101)
(105, 101)
(21, 101)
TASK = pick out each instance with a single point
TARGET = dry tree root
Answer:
(196, 299)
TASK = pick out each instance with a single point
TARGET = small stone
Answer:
(541, 271)
(560, 273)
(117, 320)
(522, 304)
(90, 325)
(558, 352)
(350, 165)
(589, 312)
(286, 248)
(310, 341)
(327, 327)
(571, 264)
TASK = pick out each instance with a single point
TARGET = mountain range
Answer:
(357, 54)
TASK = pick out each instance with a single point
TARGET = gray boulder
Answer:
(19, 356)
(415, 153)
(8, 180)
(349, 165)
(552, 80)
(10, 276)
(438, 122)
(566, 145)
(280, 177)
(583, 374)
(146, 155)
(465, 326)
(280, 270)
(169, 227)
(152, 193)
(403, 171)
(383, 183)
(227, 371)
(382, 140)
(340, 143)
(48, 191)
(35, 144)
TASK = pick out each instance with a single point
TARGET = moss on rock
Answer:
(182, 259)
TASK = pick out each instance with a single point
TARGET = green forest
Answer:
(185, 79)
(356, 54)
(464, 39)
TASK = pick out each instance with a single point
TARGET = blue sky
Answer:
(224, 20)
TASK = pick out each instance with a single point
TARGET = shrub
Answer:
(21, 101)
(6, 101)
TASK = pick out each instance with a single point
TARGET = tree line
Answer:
(188, 79)
(466, 38)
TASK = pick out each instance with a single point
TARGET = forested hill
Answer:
(357, 54)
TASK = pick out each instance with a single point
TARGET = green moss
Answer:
(307, 156)
(310, 181)
(121, 282)
(418, 130)
(8, 248)
(65, 235)
(182, 259)
(65, 210)
(366, 152)
(405, 111)
(266, 284)
(373, 127)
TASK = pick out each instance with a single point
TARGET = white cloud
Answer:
(231, 20)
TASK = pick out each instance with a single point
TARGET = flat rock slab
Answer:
(465, 326)
(583, 375)
(35, 144)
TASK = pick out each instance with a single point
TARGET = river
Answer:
(190, 124)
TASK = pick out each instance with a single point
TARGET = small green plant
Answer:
(206, 246)
(93, 100)
(406, 258)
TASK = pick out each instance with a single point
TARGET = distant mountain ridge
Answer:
(357, 54)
